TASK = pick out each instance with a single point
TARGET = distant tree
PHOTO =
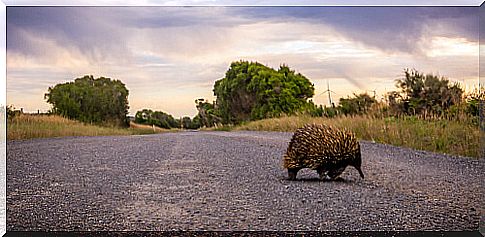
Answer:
(251, 91)
(419, 93)
(358, 104)
(473, 100)
(471, 105)
(196, 122)
(157, 118)
(330, 111)
(395, 103)
(100, 100)
(206, 113)
(186, 122)
(11, 112)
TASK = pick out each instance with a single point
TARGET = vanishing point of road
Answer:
(231, 181)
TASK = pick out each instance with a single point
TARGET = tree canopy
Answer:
(100, 100)
(206, 113)
(157, 118)
(251, 91)
(358, 104)
(419, 93)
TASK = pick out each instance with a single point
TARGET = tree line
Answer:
(204, 118)
(165, 120)
(417, 94)
(252, 91)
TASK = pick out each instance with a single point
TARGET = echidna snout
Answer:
(360, 171)
(358, 164)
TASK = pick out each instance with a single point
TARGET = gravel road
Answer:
(231, 181)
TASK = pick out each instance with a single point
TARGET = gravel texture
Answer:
(231, 181)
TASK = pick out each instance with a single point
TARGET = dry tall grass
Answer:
(148, 129)
(444, 136)
(25, 126)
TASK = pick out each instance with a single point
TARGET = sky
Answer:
(170, 56)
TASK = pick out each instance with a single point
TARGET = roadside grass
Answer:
(140, 129)
(218, 127)
(457, 137)
(26, 126)
(437, 135)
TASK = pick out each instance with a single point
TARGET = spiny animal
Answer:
(323, 148)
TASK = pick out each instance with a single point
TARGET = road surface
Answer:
(231, 181)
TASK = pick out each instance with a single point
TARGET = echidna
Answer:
(323, 148)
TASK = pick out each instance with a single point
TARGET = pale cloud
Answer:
(443, 46)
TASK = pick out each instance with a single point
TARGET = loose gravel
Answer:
(231, 181)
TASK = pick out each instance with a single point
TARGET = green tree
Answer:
(100, 100)
(11, 112)
(157, 118)
(187, 123)
(196, 122)
(330, 111)
(473, 100)
(251, 91)
(359, 104)
(206, 113)
(419, 93)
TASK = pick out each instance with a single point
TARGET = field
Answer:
(25, 126)
(437, 135)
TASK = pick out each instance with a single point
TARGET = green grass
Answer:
(443, 136)
(27, 126)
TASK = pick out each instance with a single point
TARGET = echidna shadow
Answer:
(318, 180)
(323, 148)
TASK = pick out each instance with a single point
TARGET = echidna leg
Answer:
(334, 173)
(322, 172)
(292, 173)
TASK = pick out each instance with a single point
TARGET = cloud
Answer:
(102, 33)
(169, 56)
(386, 28)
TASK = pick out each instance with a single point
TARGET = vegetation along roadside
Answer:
(26, 126)
(426, 111)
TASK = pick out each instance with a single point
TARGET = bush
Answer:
(101, 101)
(157, 118)
(424, 94)
(251, 91)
